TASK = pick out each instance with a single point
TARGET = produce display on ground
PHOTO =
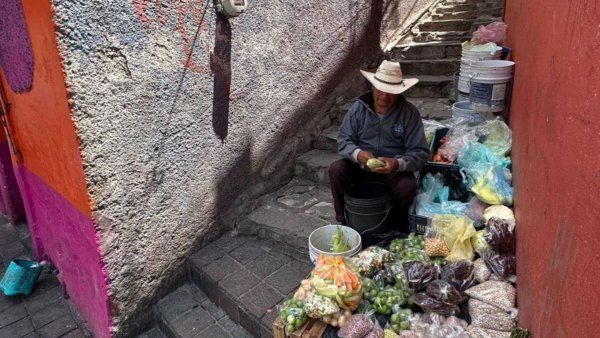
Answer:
(456, 280)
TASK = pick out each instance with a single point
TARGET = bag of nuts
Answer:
(435, 246)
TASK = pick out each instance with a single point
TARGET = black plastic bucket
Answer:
(368, 207)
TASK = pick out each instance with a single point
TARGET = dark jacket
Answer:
(398, 134)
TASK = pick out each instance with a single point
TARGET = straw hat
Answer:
(388, 78)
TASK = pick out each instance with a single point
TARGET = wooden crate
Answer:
(311, 329)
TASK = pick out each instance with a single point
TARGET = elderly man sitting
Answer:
(381, 124)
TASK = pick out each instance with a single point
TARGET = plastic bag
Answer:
(387, 299)
(400, 320)
(376, 332)
(456, 232)
(500, 211)
(444, 292)
(430, 126)
(306, 289)
(317, 306)
(476, 209)
(502, 265)
(478, 332)
(456, 139)
(430, 304)
(494, 32)
(428, 209)
(491, 184)
(371, 260)
(481, 271)
(479, 243)
(293, 315)
(337, 319)
(499, 137)
(357, 326)
(499, 236)
(384, 277)
(496, 293)
(434, 244)
(335, 277)
(370, 289)
(389, 333)
(459, 274)
(419, 274)
(474, 153)
(490, 317)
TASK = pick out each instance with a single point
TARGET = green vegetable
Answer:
(373, 163)
(339, 243)
(401, 320)
(293, 315)
(387, 299)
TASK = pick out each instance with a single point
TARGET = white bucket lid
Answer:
(487, 64)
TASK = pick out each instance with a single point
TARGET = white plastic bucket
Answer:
(319, 241)
(489, 86)
(464, 110)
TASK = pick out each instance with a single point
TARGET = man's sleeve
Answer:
(348, 134)
(417, 150)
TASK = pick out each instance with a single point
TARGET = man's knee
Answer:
(406, 188)
(337, 168)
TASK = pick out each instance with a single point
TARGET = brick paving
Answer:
(45, 312)
(248, 277)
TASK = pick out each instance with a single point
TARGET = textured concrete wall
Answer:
(183, 115)
(50, 172)
(398, 15)
(556, 128)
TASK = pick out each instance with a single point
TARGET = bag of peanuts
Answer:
(435, 246)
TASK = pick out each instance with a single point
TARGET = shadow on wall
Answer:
(278, 161)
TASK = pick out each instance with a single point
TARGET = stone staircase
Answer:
(431, 51)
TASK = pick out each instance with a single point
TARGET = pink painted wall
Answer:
(555, 119)
(51, 178)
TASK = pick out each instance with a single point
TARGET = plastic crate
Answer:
(417, 223)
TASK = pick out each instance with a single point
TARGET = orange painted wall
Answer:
(41, 118)
(555, 117)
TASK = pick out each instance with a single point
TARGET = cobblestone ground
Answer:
(45, 312)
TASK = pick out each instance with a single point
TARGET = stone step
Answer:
(445, 25)
(246, 278)
(314, 164)
(454, 36)
(427, 50)
(327, 140)
(188, 312)
(154, 332)
(432, 108)
(468, 15)
(456, 8)
(445, 67)
(430, 86)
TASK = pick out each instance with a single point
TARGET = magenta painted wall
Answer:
(71, 238)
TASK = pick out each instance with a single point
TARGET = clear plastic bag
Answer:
(481, 271)
(371, 260)
(430, 126)
(317, 306)
(494, 32)
(434, 244)
(444, 292)
(459, 274)
(357, 326)
(474, 153)
(479, 332)
(500, 236)
(476, 209)
(491, 184)
(420, 274)
(430, 304)
(499, 137)
(490, 317)
(500, 211)
(293, 315)
(497, 293)
(456, 232)
(504, 266)
(456, 139)
(335, 277)
(376, 332)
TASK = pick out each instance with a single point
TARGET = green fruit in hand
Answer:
(373, 163)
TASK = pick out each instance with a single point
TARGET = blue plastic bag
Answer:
(434, 198)
(474, 153)
(491, 184)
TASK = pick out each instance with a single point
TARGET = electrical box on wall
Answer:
(231, 8)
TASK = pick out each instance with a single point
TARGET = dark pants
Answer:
(343, 173)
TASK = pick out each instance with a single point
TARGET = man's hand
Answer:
(364, 156)
(391, 165)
